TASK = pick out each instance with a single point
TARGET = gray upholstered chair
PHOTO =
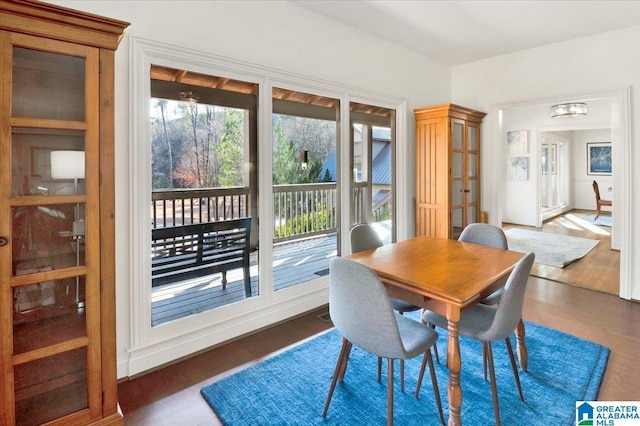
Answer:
(487, 235)
(362, 237)
(489, 324)
(361, 311)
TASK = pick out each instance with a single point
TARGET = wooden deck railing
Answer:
(187, 206)
(299, 211)
(304, 210)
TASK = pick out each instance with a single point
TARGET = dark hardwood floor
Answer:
(171, 396)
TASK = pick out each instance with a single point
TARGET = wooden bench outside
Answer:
(182, 252)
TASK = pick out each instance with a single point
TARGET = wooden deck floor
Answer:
(294, 263)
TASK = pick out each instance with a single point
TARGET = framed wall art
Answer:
(518, 168)
(518, 142)
(599, 158)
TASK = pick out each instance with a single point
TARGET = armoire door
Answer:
(49, 224)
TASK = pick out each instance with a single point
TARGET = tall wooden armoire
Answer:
(447, 169)
(57, 264)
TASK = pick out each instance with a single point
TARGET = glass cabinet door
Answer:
(465, 168)
(458, 178)
(472, 175)
(49, 224)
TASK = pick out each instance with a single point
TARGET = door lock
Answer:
(3, 241)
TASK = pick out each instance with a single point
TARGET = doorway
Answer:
(612, 112)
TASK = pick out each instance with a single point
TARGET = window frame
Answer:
(152, 346)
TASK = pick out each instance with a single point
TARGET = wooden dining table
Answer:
(447, 277)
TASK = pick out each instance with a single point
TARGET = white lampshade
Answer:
(67, 164)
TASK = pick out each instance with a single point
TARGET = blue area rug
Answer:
(601, 220)
(291, 387)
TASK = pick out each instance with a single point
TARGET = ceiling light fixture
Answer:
(569, 110)
(189, 97)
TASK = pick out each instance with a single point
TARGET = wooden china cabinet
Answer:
(57, 273)
(447, 169)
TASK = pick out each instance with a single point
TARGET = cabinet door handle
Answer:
(466, 190)
(3, 241)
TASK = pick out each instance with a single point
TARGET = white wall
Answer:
(520, 202)
(583, 196)
(585, 65)
(275, 34)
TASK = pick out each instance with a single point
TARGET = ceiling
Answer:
(186, 85)
(457, 32)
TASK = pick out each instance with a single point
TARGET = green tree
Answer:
(229, 153)
(287, 168)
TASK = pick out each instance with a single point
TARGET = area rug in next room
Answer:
(290, 388)
(551, 249)
(601, 220)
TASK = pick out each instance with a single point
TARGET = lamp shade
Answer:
(67, 164)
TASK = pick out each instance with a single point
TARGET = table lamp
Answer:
(70, 165)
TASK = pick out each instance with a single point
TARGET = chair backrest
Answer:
(509, 310)
(361, 310)
(363, 237)
(485, 234)
(596, 190)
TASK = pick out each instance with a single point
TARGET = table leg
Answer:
(522, 347)
(454, 364)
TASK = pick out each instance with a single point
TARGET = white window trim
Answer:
(149, 346)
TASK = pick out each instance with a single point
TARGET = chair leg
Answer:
(434, 381)
(516, 375)
(390, 393)
(401, 366)
(343, 366)
(401, 372)
(484, 362)
(597, 210)
(435, 346)
(421, 374)
(344, 353)
(494, 387)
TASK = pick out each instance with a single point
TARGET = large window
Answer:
(201, 154)
(305, 140)
(181, 181)
(554, 176)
